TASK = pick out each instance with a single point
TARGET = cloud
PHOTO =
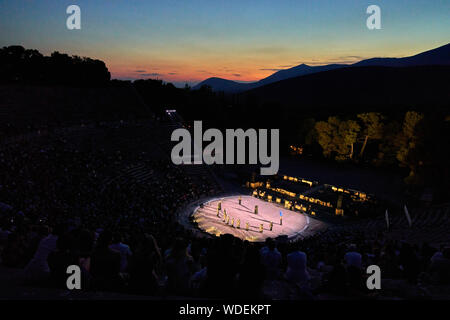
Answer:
(154, 74)
(340, 60)
(351, 57)
(139, 71)
(276, 69)
(172, 73)
(236, 74)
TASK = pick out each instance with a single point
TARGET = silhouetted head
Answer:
(446, 253)
(252, 255)
(59, 229)
(85, 241)
(179, 248)
(104, 240)
(270, 243)
(64, 242)
(117, 238)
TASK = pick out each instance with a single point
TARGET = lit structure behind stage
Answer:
(241, 221)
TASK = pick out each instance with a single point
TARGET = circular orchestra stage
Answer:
(241, 221)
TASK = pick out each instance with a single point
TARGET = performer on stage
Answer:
(271, 225)
(232, 222)
(238, 223)
(240, 200)
(256, 209)
(247, 226)
(261, 228)
(219, 205)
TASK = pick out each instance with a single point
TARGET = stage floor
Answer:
(293, 224)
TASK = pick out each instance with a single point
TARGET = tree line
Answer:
(417, 142)
(20, 65)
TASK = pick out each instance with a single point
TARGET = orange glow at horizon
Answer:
(241, 64)
(196, 71)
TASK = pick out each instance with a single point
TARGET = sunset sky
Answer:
(245, 40)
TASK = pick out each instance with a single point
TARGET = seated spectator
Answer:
(105, 265)
(222, 265)
(198, 279)
(13, 255)
(271, 259)
(356, 281)
(336, 281)
(440, 267)
(353, 258)
(37, 269)
(251, 275)
(123, 249)
(178, 266)
(143, 276)
(409, 261)
(59, 260)
(4, 234)
(296, 271)
(85, 244)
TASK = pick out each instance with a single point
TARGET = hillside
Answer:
(379, 87)
(438, 56)
(31, 105)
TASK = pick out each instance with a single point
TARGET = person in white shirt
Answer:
(123, 249)
(38, 269)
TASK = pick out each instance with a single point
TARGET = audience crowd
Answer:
(59, 208)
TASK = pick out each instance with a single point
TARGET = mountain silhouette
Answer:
(219, 84)
(438, 56)
(358, 88)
